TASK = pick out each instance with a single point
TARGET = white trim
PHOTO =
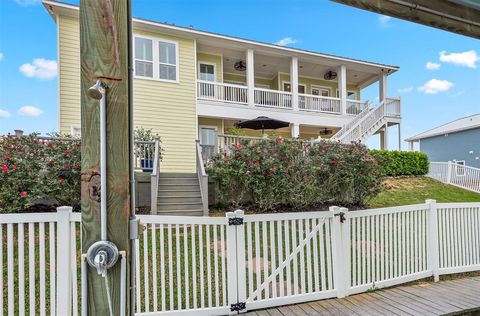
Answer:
(348, 91)
(156, 58)
(59, 63)
(52, 5)
(210, 64)
(196, 85)
(206, 127)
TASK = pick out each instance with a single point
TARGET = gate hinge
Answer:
(235, 221)
(237, 307)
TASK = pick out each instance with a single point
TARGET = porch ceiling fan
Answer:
(240, 65)
(325, 131)
(330, 75)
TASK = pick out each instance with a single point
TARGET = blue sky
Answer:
(449, 89)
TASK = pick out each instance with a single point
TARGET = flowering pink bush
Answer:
(294, 174)
(34, 169)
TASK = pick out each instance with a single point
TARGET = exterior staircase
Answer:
(179, 194)
(369, 122)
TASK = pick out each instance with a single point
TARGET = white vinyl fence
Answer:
(216, 265)
(457, 174)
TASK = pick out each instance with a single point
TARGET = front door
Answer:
(207, 141)
(206, 72)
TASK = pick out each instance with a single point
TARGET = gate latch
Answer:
(342, 216)
(237, 307)
(235, 221)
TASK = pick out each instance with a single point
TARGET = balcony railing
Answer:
(315, 103)
(355, 107)
(224, 92)
(273, 98)
(238, 94)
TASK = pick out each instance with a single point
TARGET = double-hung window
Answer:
(156, 59)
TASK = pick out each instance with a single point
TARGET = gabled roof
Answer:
(461, 124)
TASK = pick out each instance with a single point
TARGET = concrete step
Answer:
(196, 212)
(186, 193)
(163, 206)
(179, 181)
(177, 175)
(178, 187)
(180, 199)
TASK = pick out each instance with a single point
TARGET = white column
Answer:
(342, 88)
(385, 137)
(63, 260)
(382, 86)
(294, 82)
(295, 130)
(399, 137)
(410, 146)
(250, 77)
(432, 241)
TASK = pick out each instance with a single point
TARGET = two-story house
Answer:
(190, 84)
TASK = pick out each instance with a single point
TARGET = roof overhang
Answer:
(458, 16)
(56, 8)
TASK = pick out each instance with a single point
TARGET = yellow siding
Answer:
(243, 79)
(69, 66)
(212, 59)
(167, 108)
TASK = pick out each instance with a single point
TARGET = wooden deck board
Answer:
(442, 298)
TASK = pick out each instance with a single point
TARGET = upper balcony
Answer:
(268, 98)
(304, 88)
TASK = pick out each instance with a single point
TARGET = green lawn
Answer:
(414, 190)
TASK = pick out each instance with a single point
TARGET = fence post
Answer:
(449, 171)
(341, 250)
(432, 241)
(241, 271)
(231, 260)
(64, 254)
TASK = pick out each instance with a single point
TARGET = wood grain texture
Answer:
(103, 52)
(452, 297)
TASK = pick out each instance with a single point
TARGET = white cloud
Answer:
(468, 59)
(435, 86)
(286, 41)
(40, 68)
(4, 114)
(27, 2)
(432, 66)
(405, 90)
(384, 19)
(29, 110)
(1, 56)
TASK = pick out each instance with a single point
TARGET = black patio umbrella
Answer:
(262, 122)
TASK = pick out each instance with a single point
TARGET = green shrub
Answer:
(297, 175)
(401, 163)
(34, 169)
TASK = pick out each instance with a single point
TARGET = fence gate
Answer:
(285, 258)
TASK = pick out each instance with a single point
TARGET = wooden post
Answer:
(104, 56)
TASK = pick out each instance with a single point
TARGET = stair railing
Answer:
(345, 128)
(202, 178)
(367, 121)
(154, 177)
